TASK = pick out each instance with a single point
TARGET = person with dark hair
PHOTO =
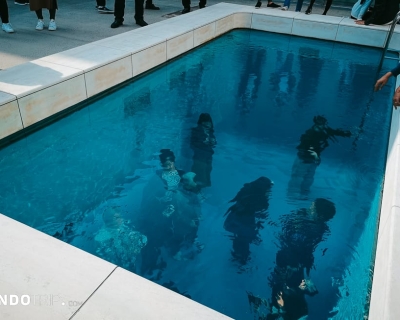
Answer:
(37, 6)
(312, 143)
(246, 216)
(171, 213)
(302, 231)
(119, 11)
(384, 79)
(383, 13)
(5, 22)
(202, 142)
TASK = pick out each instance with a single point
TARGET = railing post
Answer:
(388, 38)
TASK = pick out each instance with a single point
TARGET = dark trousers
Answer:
(52, 12)
(327, 5)
(119, 9)
(186, 3)
(101, 3)
(4, 11)
(39, 14)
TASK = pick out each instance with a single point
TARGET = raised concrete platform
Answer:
(44, 278)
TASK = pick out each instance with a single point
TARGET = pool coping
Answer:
(39, 89)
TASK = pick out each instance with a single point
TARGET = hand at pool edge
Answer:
(396, 98)
(382, 81)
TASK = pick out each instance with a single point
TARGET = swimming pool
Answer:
(96, 163)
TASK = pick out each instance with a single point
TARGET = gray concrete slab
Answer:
(79, 23)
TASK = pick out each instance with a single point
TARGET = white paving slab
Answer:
(57, 277)
(6, 98)
(272, 23)
(350, 32)
(32, 76)
(125, 295)
(87, 57)
(316, 28)
(131, 41)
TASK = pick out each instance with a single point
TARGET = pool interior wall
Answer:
(278, 14)
(97, 147)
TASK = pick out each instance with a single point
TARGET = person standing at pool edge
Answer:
(37, 6)
(101, 7)
(269, 5)
(384, 79)
(5, 26)
(119, 10)
(186, 5)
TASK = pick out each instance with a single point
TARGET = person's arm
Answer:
(396, 98)
(338, 132)
(385, 78)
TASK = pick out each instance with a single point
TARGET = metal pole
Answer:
(389, 36)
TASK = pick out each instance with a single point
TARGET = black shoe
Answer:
(273, 5)
(117, 23)
(151, 6)
(258, 4)
(308, 11)
(104, 10)
(141, 23)
(202, 5)
(185, 10)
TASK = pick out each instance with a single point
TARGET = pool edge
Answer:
(78, 74)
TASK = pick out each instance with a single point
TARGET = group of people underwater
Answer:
(170, 215)
(174, 219)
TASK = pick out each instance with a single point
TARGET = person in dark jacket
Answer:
(246, 217)
(383, 13)
(302, 231)
(312, 143)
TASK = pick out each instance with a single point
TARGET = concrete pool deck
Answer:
(82, 286)
(79, 23)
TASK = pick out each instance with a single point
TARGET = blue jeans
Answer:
(298, 6)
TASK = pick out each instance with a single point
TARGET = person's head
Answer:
(205, 121)
(320, 121)
(253, 197)
(167, 159)
(323, 209)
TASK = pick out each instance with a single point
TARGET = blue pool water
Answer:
(93, 178)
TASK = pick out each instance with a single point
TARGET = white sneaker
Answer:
(40, 25)
(7, 27)
(285, 8)
(52, 25)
